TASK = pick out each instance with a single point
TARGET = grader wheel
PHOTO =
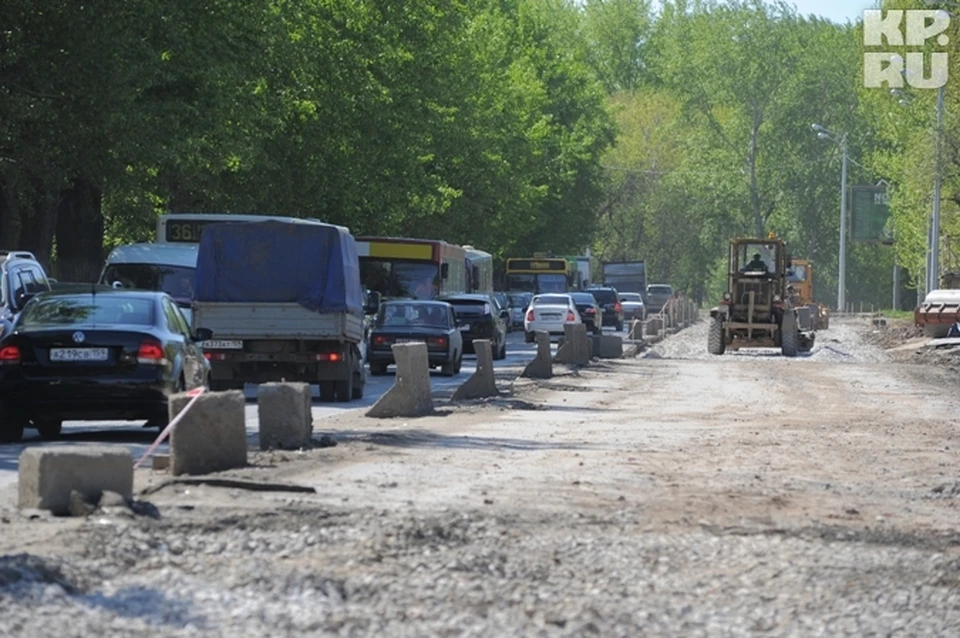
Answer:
(716, 343)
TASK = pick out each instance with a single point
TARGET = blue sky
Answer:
(836, 10)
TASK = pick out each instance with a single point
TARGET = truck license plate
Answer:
(220, 344)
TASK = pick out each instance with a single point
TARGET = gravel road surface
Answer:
(674, 494)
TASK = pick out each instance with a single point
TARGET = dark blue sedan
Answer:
(430, 322)
(116, 354)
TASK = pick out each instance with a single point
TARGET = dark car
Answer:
(479, 316)
(116, 354)
(22, 277)
(410, 321)
(589, 309)
(609, 301)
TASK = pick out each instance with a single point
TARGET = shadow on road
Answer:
(427, 439)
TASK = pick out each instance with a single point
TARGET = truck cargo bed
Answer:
(236, 320)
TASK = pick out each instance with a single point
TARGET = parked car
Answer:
(431, 322)
(518, 303)
(589, 311)
(116, 354)
(549, 312)
(22, 277)
(479, 316)
(609, 301)
(657, 297)
(633, 306)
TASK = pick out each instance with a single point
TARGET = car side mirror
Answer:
(203, 334)
(116, 284)
(51, 280)
(373, 303)
(504, 314)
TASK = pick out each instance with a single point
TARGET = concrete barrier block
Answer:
(541, 366)
(410, 394)
(653, 327)
(611, 347)
(212, 436)
(286, 422)
(636, 330)
(575, 349)
(481, 383)
(48, 475)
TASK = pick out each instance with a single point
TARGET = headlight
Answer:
(727, 296)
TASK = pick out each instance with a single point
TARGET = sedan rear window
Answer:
(660, 290)
(552, 300)
(604, 296)
(630, 296)
(583, 297)
(87, 309)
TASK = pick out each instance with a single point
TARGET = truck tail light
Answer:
(9, 355)
(151, 352)
(333, 357)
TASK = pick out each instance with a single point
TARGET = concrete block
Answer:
(48, 475)
(653, 327)
(482, 382)
(286, 422)
(611, 347)
(636, 330)
(541, 366)
(575, 349)
(212, 436)
(410, 394)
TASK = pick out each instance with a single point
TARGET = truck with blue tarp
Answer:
(283, 302)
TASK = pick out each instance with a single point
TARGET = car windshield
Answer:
(551, 300)
(412, 314)
(757, 257)
(604, 296)
(798, 273)
(63, 310)
(630, 296)
(176, 281)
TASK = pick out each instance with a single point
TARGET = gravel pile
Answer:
(843, 342)
(475, 574)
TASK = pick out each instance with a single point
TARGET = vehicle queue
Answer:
(117, 349)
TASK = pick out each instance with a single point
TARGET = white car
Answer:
(550, 312)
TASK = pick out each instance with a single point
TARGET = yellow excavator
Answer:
(811, 315)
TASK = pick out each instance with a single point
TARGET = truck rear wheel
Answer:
(345, 390)
(328, 390)
(716, 344)
(358, 383)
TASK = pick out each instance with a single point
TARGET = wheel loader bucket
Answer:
(939, 310)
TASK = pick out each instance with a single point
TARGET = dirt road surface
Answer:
(675, 494)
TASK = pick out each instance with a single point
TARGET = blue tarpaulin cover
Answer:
(312, 264)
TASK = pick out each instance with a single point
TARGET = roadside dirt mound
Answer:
(896, 333)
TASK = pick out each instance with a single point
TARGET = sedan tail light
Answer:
(590, 311)
(9, 355)
(381, 340)
(440, 342)
(571, 316)
(530, 316)
(151, 352)
(617, 307)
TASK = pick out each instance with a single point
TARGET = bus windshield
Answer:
(538, 283)
(397, 279)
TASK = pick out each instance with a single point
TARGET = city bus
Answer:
(479, 270)
(185, 228)
(399, 267)
(539, 275)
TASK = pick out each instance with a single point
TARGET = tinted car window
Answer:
(583, 297)
(469, 304)
(70, 310)
(552, 300)
(604, 296)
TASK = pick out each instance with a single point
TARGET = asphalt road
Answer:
(138, 438)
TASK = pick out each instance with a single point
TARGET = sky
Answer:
(835, 10)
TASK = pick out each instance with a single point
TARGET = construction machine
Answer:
(940, 308)
(811, 314)
(756, 310)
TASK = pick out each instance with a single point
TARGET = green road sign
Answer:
(870, 215)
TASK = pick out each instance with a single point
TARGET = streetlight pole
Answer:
(842, 276)
(823, 133)
(935, 229)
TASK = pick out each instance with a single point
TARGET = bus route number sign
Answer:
(184, 231)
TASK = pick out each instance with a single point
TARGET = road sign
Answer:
(870, 220)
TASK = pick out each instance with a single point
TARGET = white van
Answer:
(165, 267)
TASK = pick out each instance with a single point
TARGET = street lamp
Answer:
(825, 134)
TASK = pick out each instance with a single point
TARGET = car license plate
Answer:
(78, 354)
(219, 344)
(409, 341)
(465, 328)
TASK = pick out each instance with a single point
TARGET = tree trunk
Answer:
(80, 233)
(9, 214)
(36, 234)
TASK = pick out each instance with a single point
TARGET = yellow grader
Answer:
(756, 310)
(811, 315)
